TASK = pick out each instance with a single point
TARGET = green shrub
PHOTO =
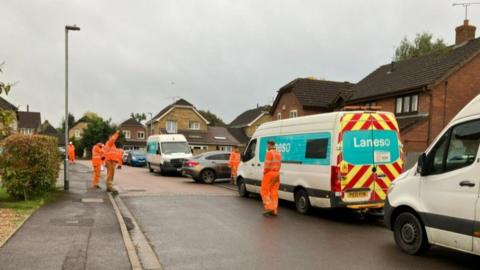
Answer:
(30, 165)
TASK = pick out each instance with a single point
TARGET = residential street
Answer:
(197, 226)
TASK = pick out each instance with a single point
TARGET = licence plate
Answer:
(356, 194)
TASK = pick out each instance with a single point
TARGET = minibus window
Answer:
(316, 148)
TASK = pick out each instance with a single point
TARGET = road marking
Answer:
(132, 254)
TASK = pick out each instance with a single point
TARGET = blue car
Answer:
(136, 158)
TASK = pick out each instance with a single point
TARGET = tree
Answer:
(138, 116)
(98, 130)
(421, 45)
(7, 117)
(214, 120)
(71, 120)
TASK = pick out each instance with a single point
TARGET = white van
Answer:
(166, 152)
(331, 160)
(437, 201)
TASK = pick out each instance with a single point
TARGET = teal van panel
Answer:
(363, 147)
(293, 148)
(152, 147)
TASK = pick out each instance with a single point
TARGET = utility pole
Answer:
(466, 5)
(65, 166)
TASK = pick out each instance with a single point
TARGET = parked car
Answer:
(207, 167)
(436, 201)
(328, 160)
(124, 156)
(136, 158)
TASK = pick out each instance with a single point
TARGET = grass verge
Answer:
(13, 212)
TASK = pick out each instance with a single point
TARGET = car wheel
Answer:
(150, 169)
(410, 234)
(208, 176)
(302, 202)
(242, 188)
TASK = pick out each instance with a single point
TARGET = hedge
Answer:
(30, 165)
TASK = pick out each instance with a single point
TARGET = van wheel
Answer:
(208, 176)
(410, 234)
(242, 188)
(149, 167)
(302, 202)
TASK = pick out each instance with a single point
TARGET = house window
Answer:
(171, 126)
(406, 105)
(126, 133)
(77, 133)
(140, 135)
(194, 125)
(279, 116)
(293, 114)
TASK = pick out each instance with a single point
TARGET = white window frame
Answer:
(141, 135)
(293, 114)
(194, 125)
(171, 126)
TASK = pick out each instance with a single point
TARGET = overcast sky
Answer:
(223, 56)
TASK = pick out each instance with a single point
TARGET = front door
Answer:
(449, 191)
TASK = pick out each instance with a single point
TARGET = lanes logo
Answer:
(362, 143)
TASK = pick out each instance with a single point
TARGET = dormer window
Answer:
(406, 105)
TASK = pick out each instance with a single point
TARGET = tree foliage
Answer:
(422, 44)
(138, 116)
(214, 120)
(98, 130)
(7, 117)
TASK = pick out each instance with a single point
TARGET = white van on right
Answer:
(437, 201)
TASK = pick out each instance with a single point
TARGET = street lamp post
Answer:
(65, 166)
(151, 123)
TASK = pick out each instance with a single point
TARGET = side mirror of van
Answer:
(422, 165)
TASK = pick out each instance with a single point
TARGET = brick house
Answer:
(134, 133)
(5, 105)
(29, 122)
(425, 92)
(244, 125)
(307, 96)
(183, 118)
(77, 128)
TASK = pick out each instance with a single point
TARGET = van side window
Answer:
(317, 148)
(456, 149)
(250, 152)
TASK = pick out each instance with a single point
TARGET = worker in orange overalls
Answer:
(271, 180)
(233, 163)
(113, 158)
(71, 153)
(97, 160)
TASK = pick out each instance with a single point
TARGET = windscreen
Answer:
(362, 147)
(175, 147)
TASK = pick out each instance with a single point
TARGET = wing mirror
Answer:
(422, 165)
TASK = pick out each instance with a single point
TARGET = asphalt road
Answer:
(195, 226)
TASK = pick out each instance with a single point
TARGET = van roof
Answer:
(472, 108)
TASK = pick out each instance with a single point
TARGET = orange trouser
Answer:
(269, 191)
(233, 171)
(96, 175)
(110, 173)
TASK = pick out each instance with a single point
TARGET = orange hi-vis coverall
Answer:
(233, 163)
(97, 156)
(271, 181)
(71, 153)
(113, 156)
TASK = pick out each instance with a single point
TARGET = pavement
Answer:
(79, 231)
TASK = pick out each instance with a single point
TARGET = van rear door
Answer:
(369, 157)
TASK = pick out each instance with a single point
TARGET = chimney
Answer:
(464, 33)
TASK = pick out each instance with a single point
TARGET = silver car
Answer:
(207, 167)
